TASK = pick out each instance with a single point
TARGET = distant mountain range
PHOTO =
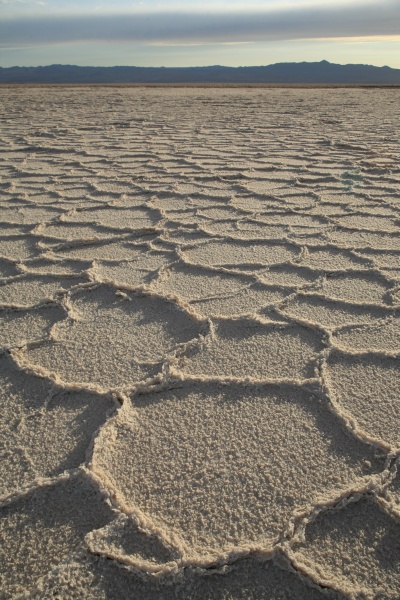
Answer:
(281, 73)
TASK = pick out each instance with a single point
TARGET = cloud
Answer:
(21, 2)
(206, 27)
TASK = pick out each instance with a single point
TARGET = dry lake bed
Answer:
(199, 343)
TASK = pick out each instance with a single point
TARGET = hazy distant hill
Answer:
(319, 72)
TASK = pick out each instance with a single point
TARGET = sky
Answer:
(198, 32)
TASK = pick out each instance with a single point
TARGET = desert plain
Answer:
(200, 343)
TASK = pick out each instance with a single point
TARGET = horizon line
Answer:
(199, 66)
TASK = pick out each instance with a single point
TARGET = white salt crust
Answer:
(199, 343)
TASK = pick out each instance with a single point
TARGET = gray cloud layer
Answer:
(206, 28)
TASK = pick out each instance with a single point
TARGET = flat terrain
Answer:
(199, 343)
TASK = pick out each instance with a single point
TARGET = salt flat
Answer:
(200, 319)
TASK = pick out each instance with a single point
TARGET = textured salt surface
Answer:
(199, 344)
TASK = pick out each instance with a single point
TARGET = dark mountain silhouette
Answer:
(285, 73)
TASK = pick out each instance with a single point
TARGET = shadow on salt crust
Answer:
(367, 388)
(28, 290)
(198, 283)
(222, 213)
(86, 577)
(51, 265)
(139, 271)
(124, 541)
(128, 200)
(382, 258)
(245, 301)
(254, 204)
(17, 248)
(221, 468)
(7, 268)
(249, 349)
(296, 219)
(315, 309)
(291, 276)
(263, 187)
(332, 259)
(361, 289)
(382, 337)
(215, 253)
(177, 236)
(368, 223)
(45, 527)
(355, 549)
(113, 342)
(360, 241)
(71, 231)
(21, 326)
(121, 250)
(118, 218)
(29, 215)
(245, 230)
(44, 429)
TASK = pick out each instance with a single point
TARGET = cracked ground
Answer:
(199, 343)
